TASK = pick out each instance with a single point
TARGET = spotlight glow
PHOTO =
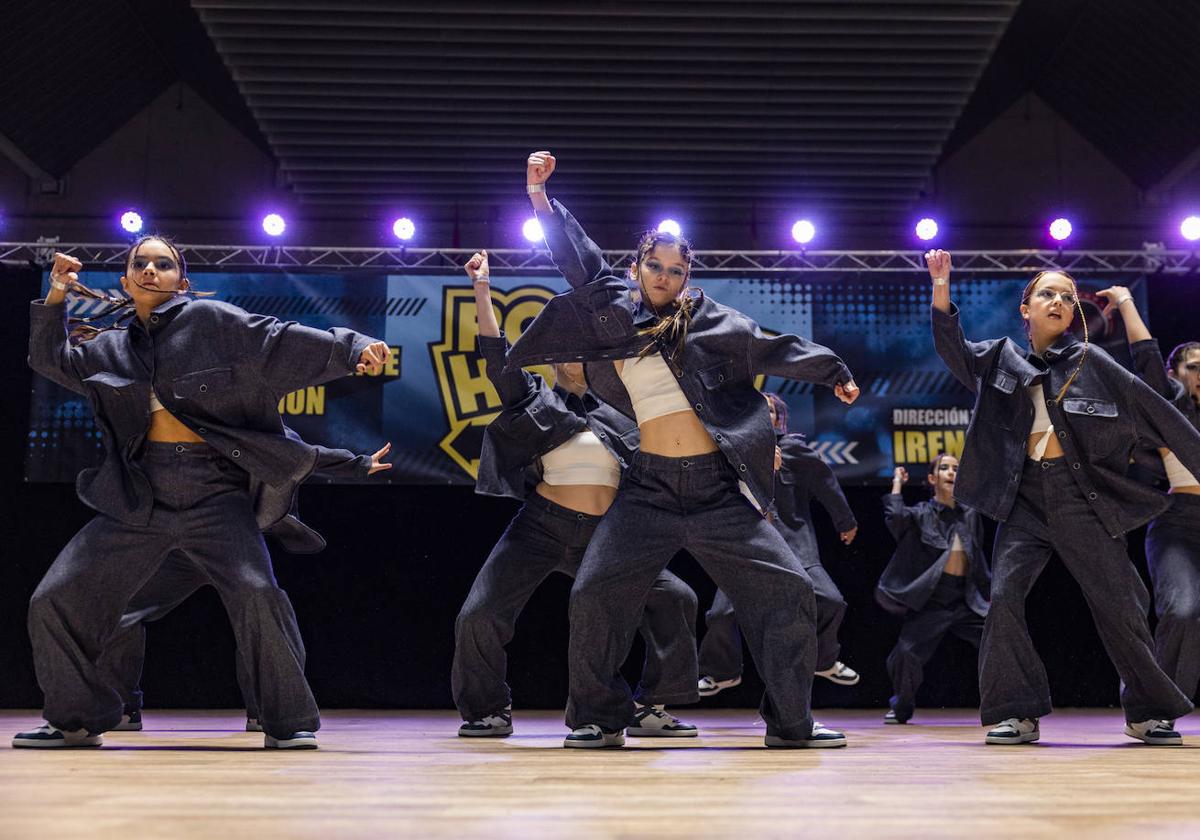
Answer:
(1190, 228)
(404, 229)
(803, 231)
(532, 230)
(131, 221)
(670, 226)
(927, 229)
(1060, 229)
(273, 224)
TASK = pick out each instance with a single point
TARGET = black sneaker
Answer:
(253, 725)
(1014, 731)
(1157, 733)
(48, 737)
(655, 722)
(820, 738)
(295, 741)
(496, 725)
(890, 717)
(131, 721)
(592, 737)
(708, 686)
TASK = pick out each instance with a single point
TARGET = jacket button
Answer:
(718, 437)
(686, 463)
(1049, 403)
(1045, 465)
(203, 389)
(1075, 466)
(153, 319)
(603, 319)
(180, 448)
(1091, 409)
(579, 516)
(678, 374)
(1092, 496)
(741, 467)
(602, 436)
(1062, 435)
(699, 407)
(202, 431)
(237, 453)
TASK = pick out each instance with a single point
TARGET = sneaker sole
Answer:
(297, 744)
(31, 744)
(634, 732)
(1020, 739)
(1176, 741)
(837, 681)
(709, 692)
(486, 733)
(775, 742)
(127, 727)
(609, 742)
(894, 722)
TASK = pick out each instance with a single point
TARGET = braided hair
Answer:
(1025, 297)
(674, 326)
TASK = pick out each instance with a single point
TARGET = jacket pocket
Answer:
(717, 376)
(1090, 407)
(204, 386)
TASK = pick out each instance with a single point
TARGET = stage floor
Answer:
(387, 774)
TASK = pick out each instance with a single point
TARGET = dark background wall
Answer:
(377, 607)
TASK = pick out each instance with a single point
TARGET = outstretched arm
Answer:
(967, 360)
(578, 258)
(50, 351)
(514, 386)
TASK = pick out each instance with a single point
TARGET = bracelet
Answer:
(58, 284)
(1124, 301)
(941, 281)
(535, 188)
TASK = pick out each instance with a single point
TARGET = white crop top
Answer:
(155, 405)
(1177, 474)
(652, 388)
(957, 545)
(1041, 420)
(581, 460)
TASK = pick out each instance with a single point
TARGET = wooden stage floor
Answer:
(389, 774)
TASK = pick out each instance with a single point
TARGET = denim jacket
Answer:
(536, 419)
(602, 318)
(1148, 360)
(218, 369)
(924, 533)
(801, 478)
(1105, 416)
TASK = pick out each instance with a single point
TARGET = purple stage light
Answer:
(532, 230)
(404, 229)
(1190, 228)
(803, 231)
(927, 229)
(273, 224)
(670, 226)
(131, 221)
(1060, 229)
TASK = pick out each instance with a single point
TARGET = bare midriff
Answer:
(1187, 489)
(592, 499)
(1053, 447)
(956, 564)
(676, 435)
(166, 428)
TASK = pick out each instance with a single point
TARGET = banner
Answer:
(434, 399)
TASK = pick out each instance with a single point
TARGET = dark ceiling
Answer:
(849, 104)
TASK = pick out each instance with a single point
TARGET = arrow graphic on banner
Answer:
(836, 451)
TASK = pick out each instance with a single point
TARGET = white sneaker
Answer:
(839, 673)
(592, 736)
(496, 725)
(708, 686)
(1014, 731)
(50, 737)
(130, 722)
(655, 722)
(295, 741)
(821, 737)
(1158, 733)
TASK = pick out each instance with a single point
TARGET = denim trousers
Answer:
(543, 538)
(721, 647)
(946, 611)
(203, 511)
(1051, 516)
(666, 505)
(125, 651)
(1173, 557)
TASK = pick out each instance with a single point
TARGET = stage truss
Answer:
(293, 257)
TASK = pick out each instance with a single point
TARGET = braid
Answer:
(1028, 293)
(674, 327)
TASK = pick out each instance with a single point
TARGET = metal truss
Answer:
(292, 257)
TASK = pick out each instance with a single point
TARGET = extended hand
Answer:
(847, 393)
(377, 464)
(373, 358)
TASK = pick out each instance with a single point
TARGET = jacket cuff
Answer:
(1144, 345)
(946, 318)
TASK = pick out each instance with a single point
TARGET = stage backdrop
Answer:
(434, 399)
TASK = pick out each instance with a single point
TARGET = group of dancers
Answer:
(652, 440)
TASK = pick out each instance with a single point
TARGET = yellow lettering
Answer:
(518, 317)
(898, 455)
(392, 366)
(915, 447)
(955, 442)
(935, 443)
(310, 400)
(471, 387)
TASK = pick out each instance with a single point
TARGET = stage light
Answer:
(131, 221)
(670, 226)
(404, 229)
(1060, 229)
(273, 224)
(803, 231)
(927, 229)
(532, 230)
(1190, 228)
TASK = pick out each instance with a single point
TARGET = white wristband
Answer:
(58, 284)
(1124, 301)
(941, 281)
(535, 188)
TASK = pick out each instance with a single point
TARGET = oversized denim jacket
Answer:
(924, 533)
(1105, 416)
(1148, 360)
(535, 420)
(602, 319)
(801, 478)
(218, 369)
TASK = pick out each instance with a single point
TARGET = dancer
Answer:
(684, 370)
(800, 476)
(938, 579)
(1046, 455)
(575, 448)
(185, 398)
(1173, 538)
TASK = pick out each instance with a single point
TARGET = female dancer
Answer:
(575, 447)
(1046, 455)
(178, 478)
(938, 579)
(1173, 538)
(800, 477)
(685, 371)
